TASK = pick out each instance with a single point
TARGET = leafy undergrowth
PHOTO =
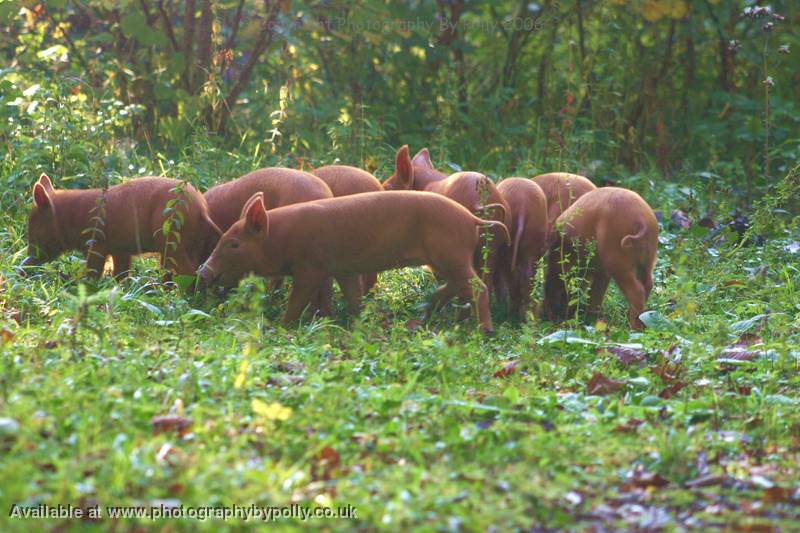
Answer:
(136, 394)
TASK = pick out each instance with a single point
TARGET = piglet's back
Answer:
(612, 213)
(373, 230)
(281, 186)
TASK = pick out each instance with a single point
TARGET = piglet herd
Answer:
(340, 223)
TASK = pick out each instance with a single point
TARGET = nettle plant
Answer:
(173, 222)
(769, 19)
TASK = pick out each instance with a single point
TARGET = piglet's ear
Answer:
(256, 217)
(423, 159)
(249, 202)
(41, 197)
(403, 169)
(44, 179)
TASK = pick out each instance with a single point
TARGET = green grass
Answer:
(414, 429)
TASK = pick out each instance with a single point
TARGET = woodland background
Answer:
(141, 394)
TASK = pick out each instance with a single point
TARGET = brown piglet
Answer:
(280, 186)
(561, 189)
(517, 264)
(622, 231)
(344, 180)
(473, 190)
(344, 237)
(121, 221)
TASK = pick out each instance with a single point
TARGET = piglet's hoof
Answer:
(488, 332)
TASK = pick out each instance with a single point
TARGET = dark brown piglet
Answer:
(343, 237)
(622, 231)
(121, 221)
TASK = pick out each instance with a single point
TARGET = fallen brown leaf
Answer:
(627, 356)
(507, 370)
(292, 367)
(776, 494)
(671, 390)
(629, 426)
(668, 373)
(708, 480)
(413, 325)
(164, 424)
(328, 461)
(601, 385)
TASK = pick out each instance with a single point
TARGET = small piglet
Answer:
(344, 180)
(344, 237)
(122, 221)
(623, 231)
(473, 190)
(280, 186)
(561, 189)
(529, 231)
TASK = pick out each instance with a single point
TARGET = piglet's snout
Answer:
(206, 274)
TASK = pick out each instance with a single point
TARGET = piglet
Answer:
(280, 186)
(473, 190)
(561, 189)
(344, 180)
(529, 230)
(343, 237)
(121, 221)
(621, 229)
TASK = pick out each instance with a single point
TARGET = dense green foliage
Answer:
(692, 423)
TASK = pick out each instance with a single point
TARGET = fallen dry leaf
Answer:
(668, 373)
(292, 367)
(328, 461)
(777, 494)
(507, 370)
(708, 480)
(680, 219)
(629, 426)
(649, 479)
(7, 335)
(627, 356)
(164, 424)
(601, 385)
(747, 339)
(671, 390)
(413, 325)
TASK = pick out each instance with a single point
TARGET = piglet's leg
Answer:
(95, 263)
(305, 286)
(351, 290)
(368, 281)
(634, 292)
(181, 263)
(480, 294)
(122, 265)
(324, 298)
(597, 292)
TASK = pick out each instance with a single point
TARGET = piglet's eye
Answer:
(233, 245)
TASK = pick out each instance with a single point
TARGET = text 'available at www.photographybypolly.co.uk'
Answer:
(178, 511)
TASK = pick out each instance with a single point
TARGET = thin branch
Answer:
(168, 26)
(188, 42)
(263, 42)
(204, 37)
(237, 18)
